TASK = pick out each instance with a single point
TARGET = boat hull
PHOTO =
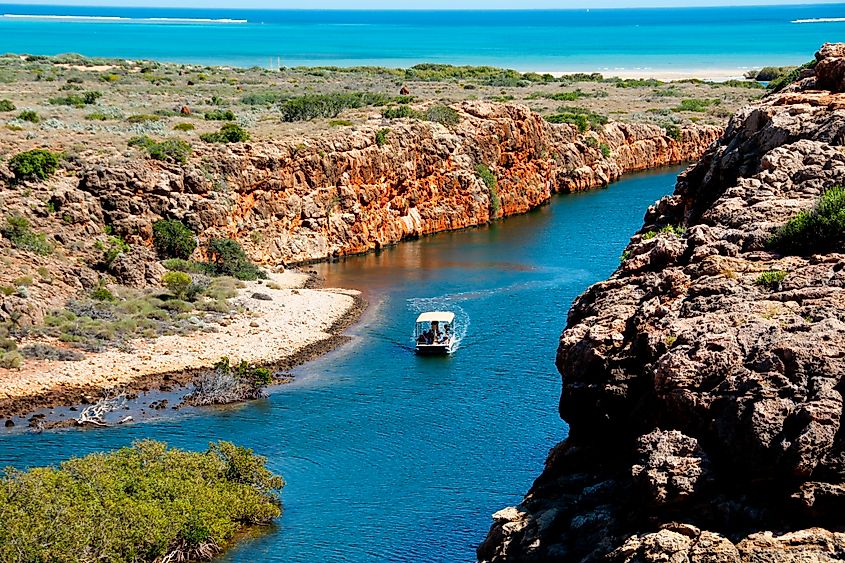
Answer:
(433, 349)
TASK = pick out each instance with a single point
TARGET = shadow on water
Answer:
(393, 457)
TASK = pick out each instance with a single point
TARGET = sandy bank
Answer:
(295, 325)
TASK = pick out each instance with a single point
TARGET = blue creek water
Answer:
(394, 457)
(561, 40)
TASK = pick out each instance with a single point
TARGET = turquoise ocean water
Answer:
(606, 40)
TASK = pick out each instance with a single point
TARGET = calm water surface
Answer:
(545, 40)
(391, 457)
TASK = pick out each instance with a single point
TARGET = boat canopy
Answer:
(439, 316)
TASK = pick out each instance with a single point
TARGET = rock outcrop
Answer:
(346, 193)
(705, 405)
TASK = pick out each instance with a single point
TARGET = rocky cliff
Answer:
(329, 195)
(703, 381)
(348, 192)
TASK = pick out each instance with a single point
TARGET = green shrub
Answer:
(97, 116)
(312, 106)
(178, 283)
(443, 115)
(400, 112)
(263, 98)
(340, 123)
(10, 360)
(229, 259)
(7, 105)
(673, 131)
(141, 503)
(102, 293)
(228, 133)
(771, 279)
(816, 230)
(788, 76)
(172, 239)
(29, 115)
(591, 142)
(696, 104)
(184, 127)
(492, 184)
(20, 234)
(769, 73)
(605, 150)
(220, 115)
(187, 266)
(381, 137)
(175, 150)
(77, 100)
(114, 247)
(37, 164)
(637, 83)
(583, 119)
(142, 118)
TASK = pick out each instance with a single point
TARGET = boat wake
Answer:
(422, 304)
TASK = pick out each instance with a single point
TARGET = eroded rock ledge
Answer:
(705, 410)
(343, 193)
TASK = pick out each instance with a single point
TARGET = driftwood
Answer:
(95, 414)
(182, 553)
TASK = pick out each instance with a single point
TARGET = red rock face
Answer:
(342, 193)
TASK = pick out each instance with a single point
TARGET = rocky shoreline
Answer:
(703, 381)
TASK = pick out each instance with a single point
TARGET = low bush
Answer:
(400, 112)
(37, 164)
(29, 115)
(228, 133)
(768, 73)
(443, 115)
(381, 137)
(312, 106)
(340, 123)
(112, 248)
(816, 230)
(77, 100)
(227, 258)
(175, 150)
(263, 98)
(229, 383)
(178, 283)
(697, 105)
(787, 76)
(187, 266)
(220, 115)
(673, 131)
(142, 503)
(46, 352)
(605, 150)
(172, 239)
(184, 127)
(583, 119)
(18, 231)
(9, 360)
(492, 184)
(97, 116)
(142, 118)
(7, 105)
(771, 279)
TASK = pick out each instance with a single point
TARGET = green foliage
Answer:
(400, 112)
(142, 118)
(172, 239)
(625, 256)
(220, 115)
(229, 259)
(673, 131)
(7, 105)
(492, 184)
(583, 119)
(102, 293)
(228, 133)
(9, 360)
(77, 100)
(591, 142)
(263, 98)
(97, 116)
(141, 503)
(698, 105)
(184, 127)
(178, 283)
(114, 247)
(381, 137)
(811, 231)
(769, 73)
(677, 231)
(37, 164)
(20, 234)
(29, 115)
(244, 372)
(637, 83)
(443, 115)
(187, 266)
(771, 279)
(340, 123)
(175, 150)
(787, 76)
(605, 150)
(312, 106)
(749, 84)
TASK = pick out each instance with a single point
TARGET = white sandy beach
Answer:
(267, 332)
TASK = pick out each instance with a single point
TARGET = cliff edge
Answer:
(703, 381)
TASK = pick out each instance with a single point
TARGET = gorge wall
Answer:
(344, 193)
(705, 407)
